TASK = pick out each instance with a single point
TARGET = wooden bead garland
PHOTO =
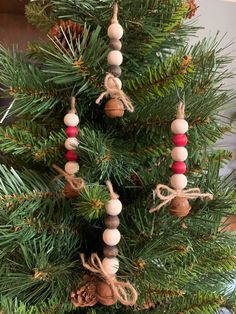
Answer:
(115, 107)
(177, 196)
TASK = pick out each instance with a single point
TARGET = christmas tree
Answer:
(176, 263)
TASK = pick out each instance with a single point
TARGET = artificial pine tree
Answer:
(176, 265)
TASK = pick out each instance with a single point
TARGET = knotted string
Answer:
(115, 13)
(181, 111)
(115, 92)
(72, 105)
(122, 291)
(76, 183)
(189, 194)
(113, 195)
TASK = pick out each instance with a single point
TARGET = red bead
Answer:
(72, 131)
(179, 167)
(71, 156)
(180, 139)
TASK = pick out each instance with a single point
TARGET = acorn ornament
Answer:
(176, 195)
(119, 101)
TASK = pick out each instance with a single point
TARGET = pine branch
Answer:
(37, 15)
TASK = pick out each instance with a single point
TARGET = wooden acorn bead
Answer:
(104, 293)
(115, 44)
(115, 70)
(112, 222)
(180, 207)
(110, 251)
(114, 108)
(70, 192)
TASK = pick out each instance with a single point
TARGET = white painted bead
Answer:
(111, 265)
(71, 119)
(115, 57)
(111, 236)
(114, 207)
(179, 154)
(112, 84)
(179, 126)
(71, 167)
(178, 181)
(115, 31)
(71, 143)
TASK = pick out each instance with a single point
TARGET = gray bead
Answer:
(115, 70)
(112, 222)
(115, 44)
(110, 251)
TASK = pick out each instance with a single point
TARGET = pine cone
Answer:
(68, 29)
(192, 8)
(86, 295)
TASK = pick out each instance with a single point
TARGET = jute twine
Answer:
(76, 183)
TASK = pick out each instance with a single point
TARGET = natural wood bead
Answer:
(111, 265)
(114, 83)
(114, 108)
(112, 222)
(115, 70)
(179, 126)
(110, 251)
(115, 44)
(115, 57)
(179, 154)
(71, 119)
(113, 207)
(178, 181)
(105, 294)
(71, 143)
(115, 31)
(179, 207)
(71, 167)
(111, 236)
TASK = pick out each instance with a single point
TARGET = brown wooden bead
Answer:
(115, 44)
(112, 222)
(115, 70)
(180, 207)
(110, 251)
(105, 294)
(114, 108)
(70, 192)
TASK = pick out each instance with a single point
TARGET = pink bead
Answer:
(179, 167)
(71, 155)
(72, 131)
(180, 139)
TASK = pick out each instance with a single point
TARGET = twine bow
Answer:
(166, 199)
(113, 195)
(115, 92)
(123, 291)
(76, 183)
(181, 111)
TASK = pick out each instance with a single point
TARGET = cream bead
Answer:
(179, 154)
(178, 181)
(111, 236)
(114, 83)
(71, 119)
(115, 57)
(71, 143)
(71, 167)
(115, 31)
(111, 265)
(179, 126)
(114, 207)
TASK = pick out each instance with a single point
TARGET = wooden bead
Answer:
(179, 154)
(72, 131)
(112, 222)
(71, 155)
(70, 192)
(110, 251)
(71, 167)
(180, 140)
(71, 143)
(179, 126)
(115, 57)
(113, 207)
(114, 108)
(115, 44)
(180, 207)
(115, 70)
(71, 119)
(115, 31)
(178, 181)
(111, 236)
(111, 265)
(105, 294)
(179, 167)
(114, 83)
